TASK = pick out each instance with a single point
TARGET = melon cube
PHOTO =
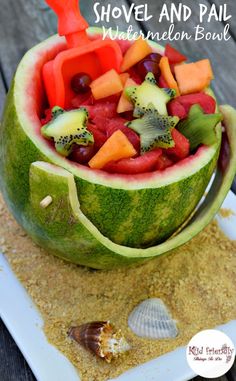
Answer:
(137, 51)
(124, 103)
(106, 85)
(193, 77)
(115, 148)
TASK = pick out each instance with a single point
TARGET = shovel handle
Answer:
(71, 23)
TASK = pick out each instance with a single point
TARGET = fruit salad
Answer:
(107, 171)
(154, 112)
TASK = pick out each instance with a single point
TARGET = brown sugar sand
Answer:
(197, 282)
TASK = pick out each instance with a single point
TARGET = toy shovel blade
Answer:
(83, 55)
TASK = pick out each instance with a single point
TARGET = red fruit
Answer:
(163, 162)
(124, 45)
(112, 98)
(162, 83)
(180, 106)
(101, 123)
(48, 117)
(134, 75)
(175, 108)
(102, 109)
(99, 137)
(140, 164)
(182, 145)
(145, 66)
(153, 57)
(82, 100)
(173, 55)
(119, 124)
(80, 83)
(81, 154)
(207, 103)
(105, 127)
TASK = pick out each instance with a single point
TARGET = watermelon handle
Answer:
(71, 23)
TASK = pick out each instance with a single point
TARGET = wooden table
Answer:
(24, 23)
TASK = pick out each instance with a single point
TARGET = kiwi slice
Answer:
(56, 111)
(68, 128)
(148, 92)
(199, 128)
(154, 129)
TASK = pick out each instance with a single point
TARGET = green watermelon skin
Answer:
(139, 215)
(59, 229)
(145, 217)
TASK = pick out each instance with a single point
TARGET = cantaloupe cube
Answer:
(193, 77)
(124, 103)
(137, 51)
(167, 75)
(115, 148)
(124, 77)
(106, 85)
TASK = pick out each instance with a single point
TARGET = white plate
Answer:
(47, 363)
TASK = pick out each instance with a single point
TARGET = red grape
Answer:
(146, 66)
(82, 154)
(80, 83)
(153, 57)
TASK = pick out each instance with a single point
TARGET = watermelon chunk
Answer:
(174, 55)
(47, 117)
(135, 76)
(181, 105)
(108, 126)
(102, 109)
(82, 99)
(162, 82)
(124, 45)
(163, 162)
(101, 123)
(99, 136)
(175, 108)
(140, 164)
(182, 145)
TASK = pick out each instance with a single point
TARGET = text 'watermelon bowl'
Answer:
(99, 219)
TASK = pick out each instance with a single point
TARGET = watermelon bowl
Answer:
(99, 219)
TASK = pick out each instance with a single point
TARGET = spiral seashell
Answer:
(100, 338)
(151, 319)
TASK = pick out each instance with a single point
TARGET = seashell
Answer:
(100, 338)
(151, 319)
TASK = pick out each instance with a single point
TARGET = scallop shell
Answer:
(101, 339)
(151, 319)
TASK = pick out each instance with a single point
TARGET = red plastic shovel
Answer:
(83, 55)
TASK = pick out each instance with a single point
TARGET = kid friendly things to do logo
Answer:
(210, 353)
(172, 14)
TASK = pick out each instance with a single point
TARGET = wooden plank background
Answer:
(24, 23)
